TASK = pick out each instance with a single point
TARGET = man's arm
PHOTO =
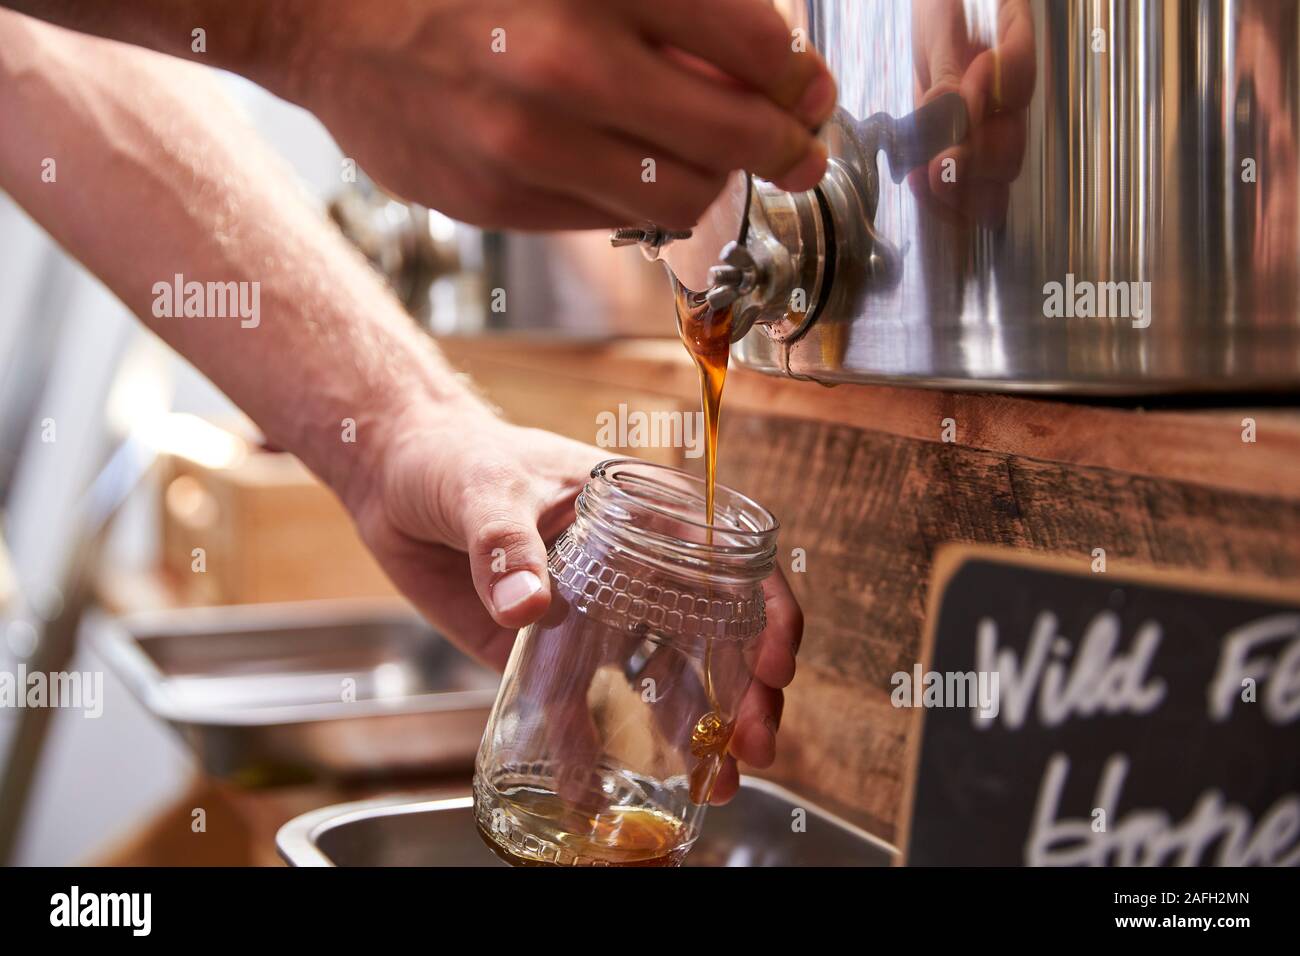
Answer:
(552, 114)
(154, 176)
(234, 30)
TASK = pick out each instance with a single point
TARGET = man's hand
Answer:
(531, 114)
(460, 513)
(550, 113)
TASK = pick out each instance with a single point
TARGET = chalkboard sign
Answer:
(1127, 718)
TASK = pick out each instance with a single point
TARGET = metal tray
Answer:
(262, 694)
(754, 829)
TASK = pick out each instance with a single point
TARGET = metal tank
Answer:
(1085, 196)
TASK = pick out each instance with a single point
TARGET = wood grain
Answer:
(871, 510)
(1199, 447)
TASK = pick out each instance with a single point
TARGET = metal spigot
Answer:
(779, 260)
(735, 276)
(413, 247)
(750, 252)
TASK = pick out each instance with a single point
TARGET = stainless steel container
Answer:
(764, 825)
(281, 693)
(1100, 197)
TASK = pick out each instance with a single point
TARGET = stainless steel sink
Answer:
(757, 828)
(278, 693)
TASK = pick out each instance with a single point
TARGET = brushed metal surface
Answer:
(754, 829)
(267, 694)
(1116, 156)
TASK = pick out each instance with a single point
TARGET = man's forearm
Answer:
(155, 177)
(235, 33)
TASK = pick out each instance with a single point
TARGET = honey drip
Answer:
(706, 333)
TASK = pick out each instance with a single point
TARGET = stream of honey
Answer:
(706, 333)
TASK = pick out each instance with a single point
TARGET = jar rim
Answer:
(655, 513)
(613, 470)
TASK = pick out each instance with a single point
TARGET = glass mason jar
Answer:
(616, 708)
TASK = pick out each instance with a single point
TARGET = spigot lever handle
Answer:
(914, 140)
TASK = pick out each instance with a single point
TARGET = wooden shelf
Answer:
(1202, 447)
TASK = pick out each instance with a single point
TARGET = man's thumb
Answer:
(508, 561)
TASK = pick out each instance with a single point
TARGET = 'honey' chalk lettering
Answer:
(1148, 836)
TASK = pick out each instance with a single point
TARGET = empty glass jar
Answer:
(616, 708)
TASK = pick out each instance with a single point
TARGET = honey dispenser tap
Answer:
(781, 260)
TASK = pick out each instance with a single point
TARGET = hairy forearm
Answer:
(234, 32)
(154, 177)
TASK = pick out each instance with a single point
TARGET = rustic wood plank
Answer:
(1200, 447)
(870, 510)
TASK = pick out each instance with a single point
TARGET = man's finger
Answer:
(780, 640)
(502, 201)
(759, 718)
(507, 557)
(679, 111)
(726, 784)
(636, 180)
(749, 40)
